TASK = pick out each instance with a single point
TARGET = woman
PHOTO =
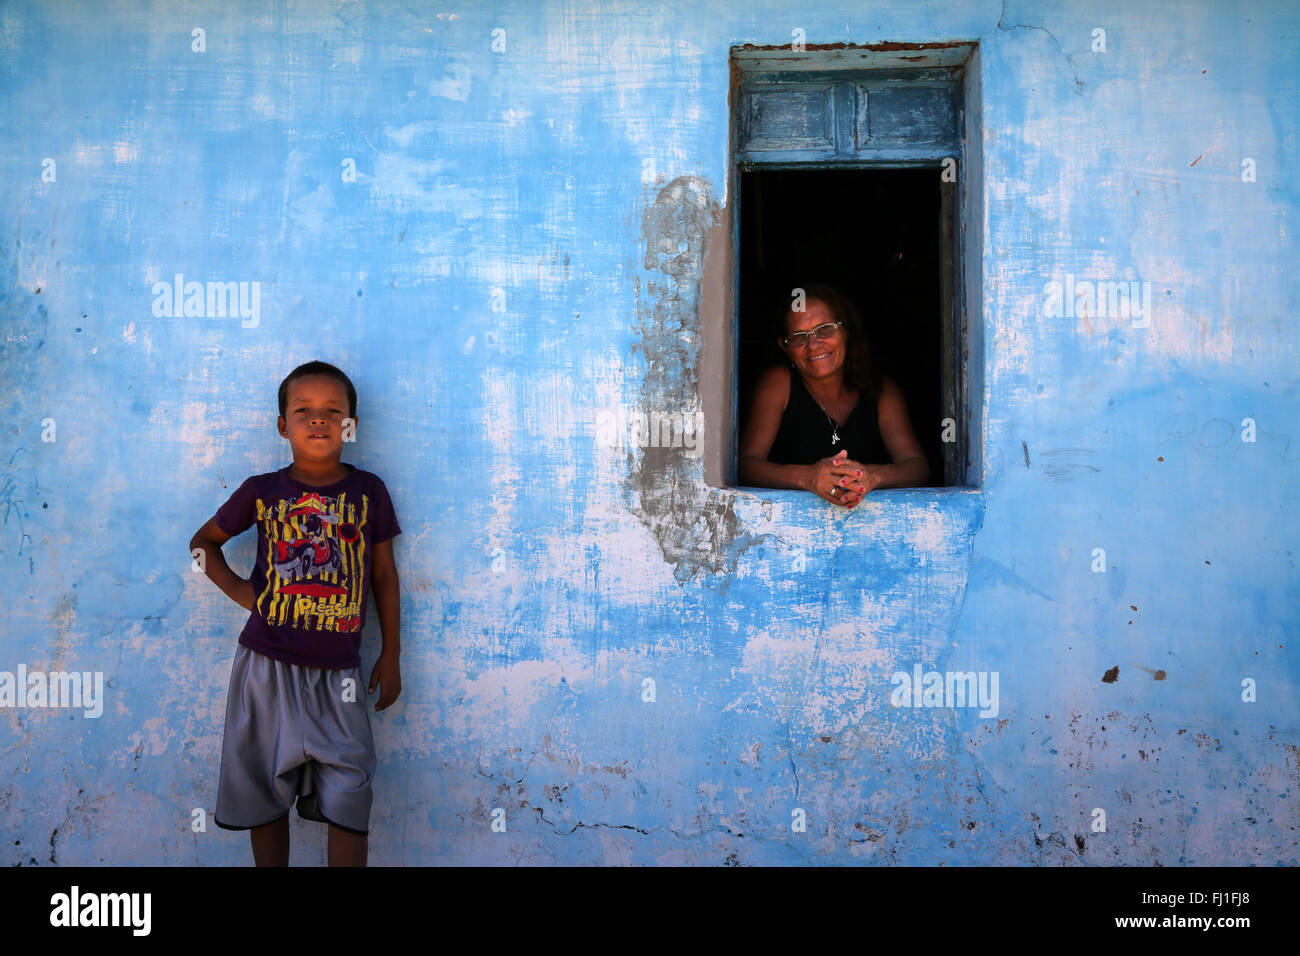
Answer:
(829, 423)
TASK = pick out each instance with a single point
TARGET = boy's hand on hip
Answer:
(388, 675)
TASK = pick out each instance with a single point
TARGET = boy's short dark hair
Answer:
(318, 368)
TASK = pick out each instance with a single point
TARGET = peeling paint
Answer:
(695, 525)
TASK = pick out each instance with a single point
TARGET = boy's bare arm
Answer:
(383, 583)
(209, 540)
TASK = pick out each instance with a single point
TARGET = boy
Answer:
(294, 728)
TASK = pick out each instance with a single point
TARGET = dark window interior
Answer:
(872, 233)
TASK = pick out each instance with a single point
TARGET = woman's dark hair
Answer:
(861, 365)
(318, 368)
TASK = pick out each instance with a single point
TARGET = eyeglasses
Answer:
(800, 340)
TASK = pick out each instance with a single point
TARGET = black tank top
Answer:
(805, 433)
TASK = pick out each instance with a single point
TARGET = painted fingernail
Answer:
(859, 474)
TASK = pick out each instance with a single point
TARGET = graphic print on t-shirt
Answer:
(315, 561)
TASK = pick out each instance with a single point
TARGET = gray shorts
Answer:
(289, 734)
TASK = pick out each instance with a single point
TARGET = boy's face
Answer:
(315, 408)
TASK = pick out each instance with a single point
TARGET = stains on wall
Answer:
(695, 525)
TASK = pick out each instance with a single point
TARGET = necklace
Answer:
(835, 428)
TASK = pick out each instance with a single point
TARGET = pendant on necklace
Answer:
(835, 428)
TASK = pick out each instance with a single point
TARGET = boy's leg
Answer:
(271, 843)
(260, 767)
(341, 762)
(346, 849)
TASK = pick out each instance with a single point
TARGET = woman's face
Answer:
(814, 357)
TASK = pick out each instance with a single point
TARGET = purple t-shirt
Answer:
(312, 571)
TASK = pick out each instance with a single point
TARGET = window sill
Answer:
(937, 517)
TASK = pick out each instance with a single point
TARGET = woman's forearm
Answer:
(761, 473)
(908, 473)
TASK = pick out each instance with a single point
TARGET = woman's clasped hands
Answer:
(841, 480)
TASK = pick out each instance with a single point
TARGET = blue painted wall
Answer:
(497, 276)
